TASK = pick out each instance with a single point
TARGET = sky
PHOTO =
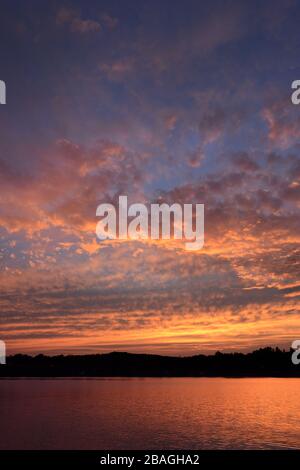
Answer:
(176, 101)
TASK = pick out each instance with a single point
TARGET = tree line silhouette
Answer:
(265, 362)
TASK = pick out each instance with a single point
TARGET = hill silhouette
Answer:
(266, 362)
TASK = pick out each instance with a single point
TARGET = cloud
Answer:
(66, 195)
(118, 69)
(283, 122)
(76, 24)
(244, 162)
(174, 105)
(233, 290)
(196, 157)
(110, 21)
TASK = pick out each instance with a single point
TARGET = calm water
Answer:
(185, 413)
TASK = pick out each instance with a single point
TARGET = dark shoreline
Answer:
(266, 362)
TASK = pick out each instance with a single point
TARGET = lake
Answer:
(150, 413)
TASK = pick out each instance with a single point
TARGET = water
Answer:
(176, 413)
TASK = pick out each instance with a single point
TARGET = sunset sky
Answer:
(180, 101)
